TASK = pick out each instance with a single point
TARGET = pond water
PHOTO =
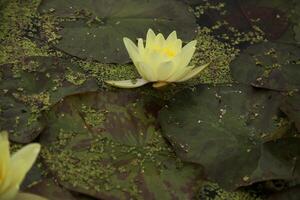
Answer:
(216, 115)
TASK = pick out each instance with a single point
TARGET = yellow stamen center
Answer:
(166, 51)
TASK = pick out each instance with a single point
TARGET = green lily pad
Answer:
(95, 29)
(107, 145)
(291, 107)
(269, 65)
(32, 86)
(232, 132)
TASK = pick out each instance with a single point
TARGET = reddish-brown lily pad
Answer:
(269, 65)
(107, 145)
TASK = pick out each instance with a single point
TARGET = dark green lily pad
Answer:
(32, 86)
(232, 132)
(295, 19)
(297, 32)
(95, 29)
(48, 189)
(107, 145)
(292, 193)
(291, 107)
(269, 65)
(23, 124)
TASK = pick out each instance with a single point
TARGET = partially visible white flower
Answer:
(161, 61)
(14, 168)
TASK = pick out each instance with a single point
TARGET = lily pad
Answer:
(292, 193)
(48, 189)
(297, 32)
(241, 22)
(107, 145)
(32, 86)
(95, 29)
(23, 124)
(269, 65)
(234, 132)
(291, 107)
(271, 21)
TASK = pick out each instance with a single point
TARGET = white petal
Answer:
(150, 38)
(27, 196)
(131, 49)
(128, 83)
(192, 73)
(164, 70)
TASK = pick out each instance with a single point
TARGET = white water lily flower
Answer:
(161, 61)
(14, 168)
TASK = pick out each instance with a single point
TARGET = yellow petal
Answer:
(182, 60)
(178, 44)
(131, 49)
(128, 83)
(27, 196)
(173, 43)
(4, 160)
(192, 73)
(148, 72)
(150, 38)
(159, 84)
(141, 47)
(172, 37)
(159, 41)
(21, 162)
(152, 63)
(10, 193)
(134, 53)
(186, 54)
